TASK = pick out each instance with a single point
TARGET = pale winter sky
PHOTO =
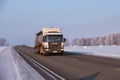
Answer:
(20, 20)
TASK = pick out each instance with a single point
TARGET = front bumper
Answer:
(54, 51)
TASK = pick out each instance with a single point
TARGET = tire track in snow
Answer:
(15, 66)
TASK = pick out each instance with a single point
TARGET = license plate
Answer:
(54, 51)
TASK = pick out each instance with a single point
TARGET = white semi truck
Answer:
(49, 41)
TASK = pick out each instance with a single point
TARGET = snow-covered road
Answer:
(13, 67)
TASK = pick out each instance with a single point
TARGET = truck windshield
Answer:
(53, 38)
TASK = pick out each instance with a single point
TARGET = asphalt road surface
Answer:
(72, 66)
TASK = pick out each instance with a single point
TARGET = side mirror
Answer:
(64, 39)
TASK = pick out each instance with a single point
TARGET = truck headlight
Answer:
(62, 49)
(46, 45)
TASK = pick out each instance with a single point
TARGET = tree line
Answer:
(111, 39)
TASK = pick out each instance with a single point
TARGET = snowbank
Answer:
(106, 51)
(13, 67)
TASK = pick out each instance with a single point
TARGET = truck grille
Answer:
(55, 46)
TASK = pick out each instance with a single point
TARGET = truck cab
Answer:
(50, 41)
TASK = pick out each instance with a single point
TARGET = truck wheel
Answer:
(61, 54)
(41, 52)
(45, 54)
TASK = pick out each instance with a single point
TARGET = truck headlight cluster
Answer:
(62, 49)
(46, 45)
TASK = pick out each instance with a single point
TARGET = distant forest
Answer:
(3, 42)
(111, 39)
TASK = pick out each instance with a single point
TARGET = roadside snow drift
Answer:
(104, 51)
(13, 67)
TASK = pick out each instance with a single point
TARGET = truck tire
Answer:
(61, 54)
(41, 51)
(44, 53)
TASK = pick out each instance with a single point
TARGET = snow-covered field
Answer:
(13, 67)
(106, 51)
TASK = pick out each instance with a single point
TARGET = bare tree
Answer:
(2, 41)
(76, 42)
(111, 39)
(81, 41)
